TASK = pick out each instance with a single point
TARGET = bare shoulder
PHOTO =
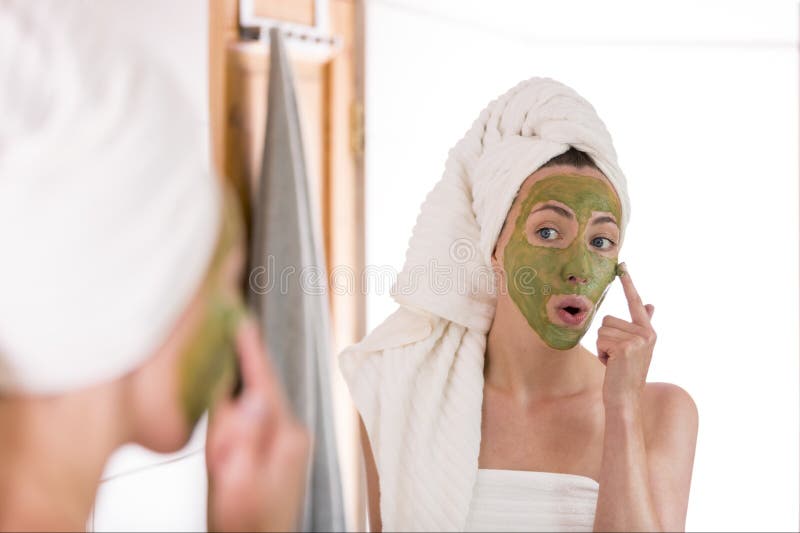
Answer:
(664, 394)
(667, 409)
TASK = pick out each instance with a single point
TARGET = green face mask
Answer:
(208, 363)
(536, 270)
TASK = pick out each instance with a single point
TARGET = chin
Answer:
(160, 424)
(166, 436)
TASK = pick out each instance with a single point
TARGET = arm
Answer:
(670, 453)
(373, 487)
(646, 471)
(650, 431)
(624, 500)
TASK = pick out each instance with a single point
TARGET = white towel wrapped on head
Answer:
(108, 213)
(417, 379)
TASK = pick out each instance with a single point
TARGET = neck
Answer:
(519, 362)
(52, 454)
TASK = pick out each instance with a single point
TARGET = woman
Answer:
(120, 283)
(480, 409)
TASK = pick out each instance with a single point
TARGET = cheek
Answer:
(532, 270)
(604, 270)
(208, 363)
(527, 271)
(160, 422)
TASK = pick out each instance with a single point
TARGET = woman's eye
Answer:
(548, 234)
(602, 243)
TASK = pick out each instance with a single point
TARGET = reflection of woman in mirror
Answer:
(121, 314)
(481, 410)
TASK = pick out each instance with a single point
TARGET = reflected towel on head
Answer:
(108, 213)
(417, 379)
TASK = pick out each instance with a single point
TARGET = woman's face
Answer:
(559, 250)
(197, 363)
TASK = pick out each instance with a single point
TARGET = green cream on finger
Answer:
(536, 270)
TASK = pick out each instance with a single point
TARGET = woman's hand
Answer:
(626, 349)
(256, 453)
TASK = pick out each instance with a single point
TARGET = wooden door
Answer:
(328, 82)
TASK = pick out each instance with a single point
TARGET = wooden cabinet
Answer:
(328, 80)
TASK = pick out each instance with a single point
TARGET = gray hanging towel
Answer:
(288, 290)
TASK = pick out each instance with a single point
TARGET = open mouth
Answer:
(571, 309)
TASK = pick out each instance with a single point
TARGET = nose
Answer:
(577, 269)
(577, 280)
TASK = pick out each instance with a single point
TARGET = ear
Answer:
(497, 262)
(498, 270)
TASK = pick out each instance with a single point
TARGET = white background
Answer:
(701, 99)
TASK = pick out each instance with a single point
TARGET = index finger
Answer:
(637, 309)
(258, 372)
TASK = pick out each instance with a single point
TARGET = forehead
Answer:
(584, 190)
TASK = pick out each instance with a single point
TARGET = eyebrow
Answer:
(564, 213)
(560, 210)
(600, 220)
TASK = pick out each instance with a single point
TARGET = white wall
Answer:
(702, 101)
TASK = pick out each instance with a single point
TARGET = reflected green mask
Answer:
(208, 363)
(534, 273)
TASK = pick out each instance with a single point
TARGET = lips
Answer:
(570, 309)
